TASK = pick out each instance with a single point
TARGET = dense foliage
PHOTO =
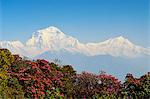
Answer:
(9, 86)
(40, 79)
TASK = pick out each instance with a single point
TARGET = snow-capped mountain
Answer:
(53, 39)
(15, 47)
(118, 46)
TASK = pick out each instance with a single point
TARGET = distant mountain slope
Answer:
(53, 39)
(116, 66)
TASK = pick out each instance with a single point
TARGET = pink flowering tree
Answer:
(91, 85)
(37, 78)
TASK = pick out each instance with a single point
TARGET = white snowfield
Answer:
(53, 39)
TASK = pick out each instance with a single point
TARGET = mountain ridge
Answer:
(53, 39)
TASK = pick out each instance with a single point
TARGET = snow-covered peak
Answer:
(118, 46)
(11, 43)
(51, 38)
(16, 47)
(50, 30)
(121, 38)
(117, 40)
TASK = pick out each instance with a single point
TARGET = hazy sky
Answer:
(87, 20)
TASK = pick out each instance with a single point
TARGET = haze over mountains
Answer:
(115, 55)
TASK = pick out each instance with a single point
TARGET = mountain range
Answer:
(117, 56)
(53, 39)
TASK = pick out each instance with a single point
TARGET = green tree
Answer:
(68, 74)
(145, 82)
(9, 86)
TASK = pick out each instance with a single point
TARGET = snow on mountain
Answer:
(118, 46)
(53, 39)
(16, 47)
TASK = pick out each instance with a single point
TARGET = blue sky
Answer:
(87, 20)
